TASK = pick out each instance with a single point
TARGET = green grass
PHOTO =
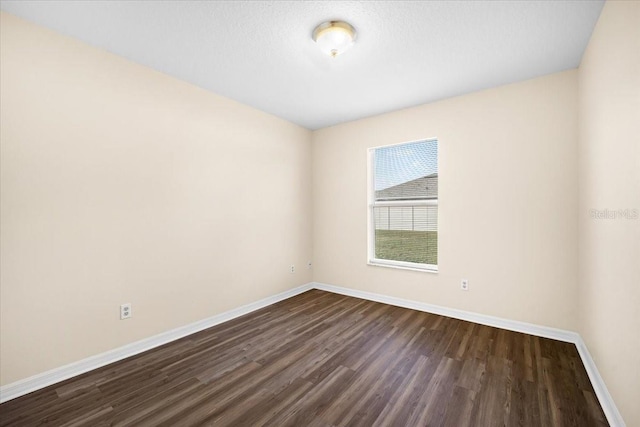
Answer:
(409, 246)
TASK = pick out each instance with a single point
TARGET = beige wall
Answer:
(120, 184)
(609, 167)
(507, 203)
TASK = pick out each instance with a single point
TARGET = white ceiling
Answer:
(261, 53)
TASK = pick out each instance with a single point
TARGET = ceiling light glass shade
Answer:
(334, 37)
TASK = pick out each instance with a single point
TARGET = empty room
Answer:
(320, 213)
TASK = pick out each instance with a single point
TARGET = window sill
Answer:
(429, 269)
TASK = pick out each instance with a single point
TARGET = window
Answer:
(403, 205)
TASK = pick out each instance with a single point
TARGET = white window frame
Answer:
(371, 201)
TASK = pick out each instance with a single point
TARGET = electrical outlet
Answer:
(464, 285)
(293, 268)
(309, 265)
(125, 311)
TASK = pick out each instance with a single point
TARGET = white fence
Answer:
(415, 218)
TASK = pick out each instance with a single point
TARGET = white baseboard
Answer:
(606, 401)
(36, 382)
(511, 325)
(608, 406)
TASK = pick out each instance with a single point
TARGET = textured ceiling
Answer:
(261, 53)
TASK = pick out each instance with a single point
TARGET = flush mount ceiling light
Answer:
(334, 37)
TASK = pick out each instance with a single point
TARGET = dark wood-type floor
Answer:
(322, 359)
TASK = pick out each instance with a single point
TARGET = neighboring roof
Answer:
(420, 188)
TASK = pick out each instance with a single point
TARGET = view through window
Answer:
(403, 205)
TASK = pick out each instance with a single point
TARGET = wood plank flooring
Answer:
(322, 359)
